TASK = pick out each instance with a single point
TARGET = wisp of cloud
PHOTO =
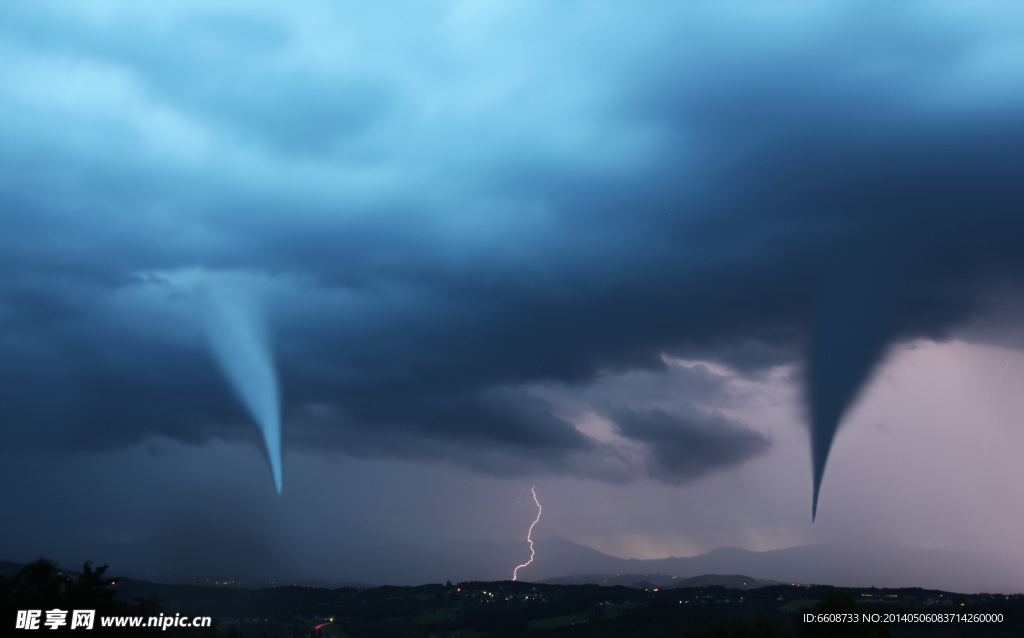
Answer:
(237, 335)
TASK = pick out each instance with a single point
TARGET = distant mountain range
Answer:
(564, 562)
(967, 572)
(663, 581)
(557, 558)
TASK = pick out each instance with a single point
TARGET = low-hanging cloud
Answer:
(683, 447)
(446, 224)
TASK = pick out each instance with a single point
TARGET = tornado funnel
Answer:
(855, 327)
(236, 332)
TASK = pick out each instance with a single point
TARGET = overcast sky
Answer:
(662, 261)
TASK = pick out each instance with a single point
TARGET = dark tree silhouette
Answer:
(41, 585)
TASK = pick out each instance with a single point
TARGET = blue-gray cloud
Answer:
(447, 208)
(683, 447)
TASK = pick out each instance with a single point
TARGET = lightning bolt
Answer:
(529, 534)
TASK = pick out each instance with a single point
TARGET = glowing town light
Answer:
(529, 534)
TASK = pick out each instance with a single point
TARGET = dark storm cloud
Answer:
(435, 223)
(683, 447)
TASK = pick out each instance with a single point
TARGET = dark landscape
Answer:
(637, 605)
